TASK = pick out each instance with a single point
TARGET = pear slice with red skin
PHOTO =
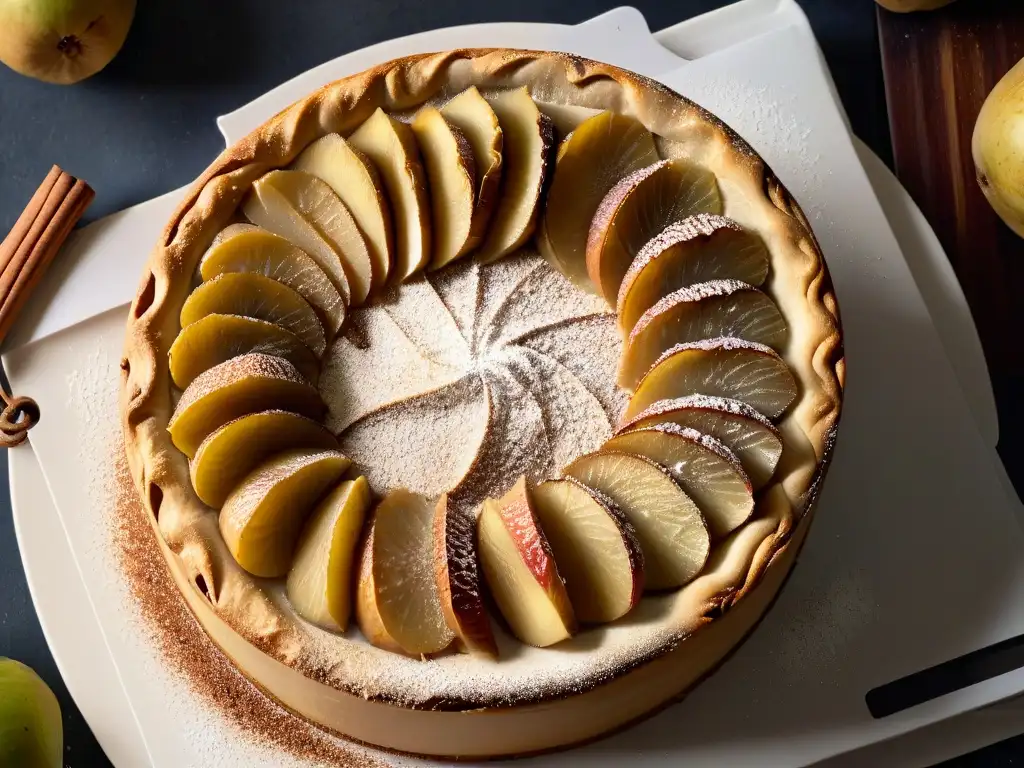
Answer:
(234, 450)
(521, 572)
(319, 584)
(405, 585)
(459, 581)
(639, 207)
(262, 518)
(358, 184)
(451, 171)
(242, 385)
(595, 546)
(216, 338)
(709, 472)
(714, 309)
(252, 295)
(313, 199)
(527, 138)
(248, 248)
(700, 248)
(391, 147)
(747, 433)
(474, 116)
(598, 153)
(739, 370)
(670, 529)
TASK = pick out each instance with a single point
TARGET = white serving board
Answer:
(73, 634)
(23, 366)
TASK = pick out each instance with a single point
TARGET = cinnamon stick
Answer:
(25, 254)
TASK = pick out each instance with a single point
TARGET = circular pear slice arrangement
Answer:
(451, 171)
(471, 114)
(320, 579)
(242, 385)
(459, 581)
(358, 184)
(639, 207)
(714, 309)
(251, 295)
(752, 437)
(404, 586)
(670, 529)
(520, 570)
(262, 518)
(700, 248)
(527, 137)
(598, 153)
(739, 370)
(234, 450)
(247, 248)
(709, 472)
(215, 339)
(596, 548)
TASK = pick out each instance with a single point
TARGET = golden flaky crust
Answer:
(752, 195)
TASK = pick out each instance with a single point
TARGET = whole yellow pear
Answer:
(31, 732)
(62, 41)
(906, 6)
(998, 147)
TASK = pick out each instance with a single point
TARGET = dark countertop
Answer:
(145, 126)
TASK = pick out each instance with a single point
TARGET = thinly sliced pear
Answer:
(262, 518)
(639, 207)
(595, 546)
(313, 199)
(232, 451)
(527, 137)
(521, 570)
(459, 581)
(403, 573)
(740, 370)
(750, 435)
(358, 184)
(391, 147)
(319, 583)
(591, 160)
(216, 338)
(565, 117)
(671, 530)
(709, 472)
(248, 248)
(700, 248)
(271, 208)
(448, 157)
(714, 309)
(242, 385)
(367, 613)
(252, 295)
(474, 116)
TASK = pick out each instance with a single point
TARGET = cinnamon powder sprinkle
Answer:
(189, 653)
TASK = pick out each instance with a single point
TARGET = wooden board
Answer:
(939, 66)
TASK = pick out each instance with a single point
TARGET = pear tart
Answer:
(481, 400)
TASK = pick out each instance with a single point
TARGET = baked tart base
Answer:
(530, 699)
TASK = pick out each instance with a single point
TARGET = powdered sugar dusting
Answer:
(703, 402)
(722, 342)
(462, 381)
(689, 229)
